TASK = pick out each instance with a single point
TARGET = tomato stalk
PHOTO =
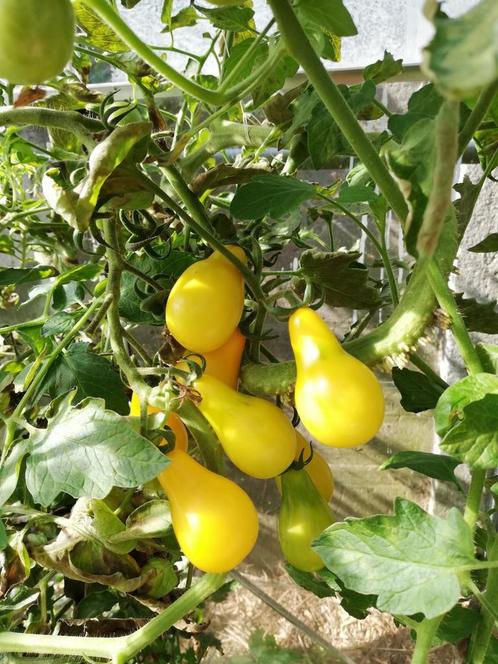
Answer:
(301, 50)
(480, 639)
(117, 650)
(426, 632)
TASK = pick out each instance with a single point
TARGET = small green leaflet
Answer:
(79, 273)
(401, 558)
(384, 69)
(16, 276)
(85, 452)
(9, 473)
(152, 519)
(462, 58)
(418, 392)
(488, 354)
(327, 15)
(59, 323)
(490, 243)
(274, 195)
(91, 374)
(474, 440)
(449, 409)
(344, 280)
(479, 316)
(437, 466)
(236, 19)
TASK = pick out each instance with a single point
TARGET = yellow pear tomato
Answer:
(338, 398)
(205, 305)
(215, 521)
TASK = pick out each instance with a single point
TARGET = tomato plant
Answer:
(152, 248)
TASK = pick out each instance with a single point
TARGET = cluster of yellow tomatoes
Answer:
(338, 399)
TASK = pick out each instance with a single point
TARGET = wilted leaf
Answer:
(99, 448)
(384, 555)
(437, 466)
(462, 57)
(344, 280)
(152, 519)
(98, 33)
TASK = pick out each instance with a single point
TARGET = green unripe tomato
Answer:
(162, 578)
(36, 39)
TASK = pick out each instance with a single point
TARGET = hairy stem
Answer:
(301, 50)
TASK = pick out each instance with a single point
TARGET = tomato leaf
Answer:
(401, 558)
(418, 392)
(474, 440)
(489, 244)
(488, 354)
(437, 466)
(384, 69)
(95, 604)
(3, 537)
(85, 452)
(479, 316)
(16, 276)
(152, 519)
(449, 409)
(462, 57)
(344, 280)
(97, 32)
(457, 624)
(59, 323)
(92, 375)
(235, 19)
(9, 472)
(274, 195)
(312, 582)
(327, 15)
(285, 68)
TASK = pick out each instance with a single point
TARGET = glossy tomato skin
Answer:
(36, 39)
(256, 435)
(173, 422)
(224, 363)
(318, 469)
(304, 514)
(215, 521)
(205, 305)
(338, 398)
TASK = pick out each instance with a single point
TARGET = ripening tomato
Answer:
(215, 521)
(338, 398)
(205, 305)
(303, 516)
(36, 39)
(173, 422)
(256, 435)
(318, 469)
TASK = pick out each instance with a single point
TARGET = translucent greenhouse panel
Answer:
(394, 25)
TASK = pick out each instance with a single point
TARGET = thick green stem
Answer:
(442, 179)
(119, 650)
(477, 116)
(448, 304)
(480, 639)
(426, 632)
(301, 50)
(474, 497)
(216, 97)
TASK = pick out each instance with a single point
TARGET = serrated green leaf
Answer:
(99, 450)
(455, 398)
(235, 19)
(274, 195)
(478, 316)
(437, 466)
(59, 323)
(185, 18)
(462, 57)
(344, 280)
(423, 104)
(418, 392)
(311, 582)
(401, 558)
(12, 276)
(327, 15)
(384, 69)
(474, 440)
(92, 375)
(457, 625)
